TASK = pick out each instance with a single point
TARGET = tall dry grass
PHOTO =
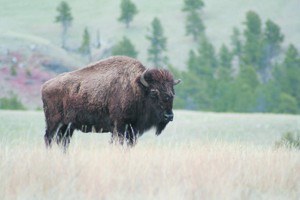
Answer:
(174, 171)
(198, 156)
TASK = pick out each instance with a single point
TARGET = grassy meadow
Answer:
(198, 156)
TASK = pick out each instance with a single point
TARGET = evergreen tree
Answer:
(128, 11)
(253, 40)
(224, 70)
(199, 79)
(289, 74)
(267, 97)
(85, 48)
(65, 18)
(98, 41)
(244, 88)
(124, 47)
(192, 63)
(204, 62)
(158, 44)
(194, 25)
(287, 104)
(236, 43)
(207, 60)
(225, 57)
(272, 40)
(192, 5)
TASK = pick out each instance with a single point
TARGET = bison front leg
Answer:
(124, 133)
(118, 133)
(131, 135)
(117, 138)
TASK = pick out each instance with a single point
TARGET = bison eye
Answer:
(154, 93)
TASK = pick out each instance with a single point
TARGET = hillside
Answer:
(28, 18)
(26, 24)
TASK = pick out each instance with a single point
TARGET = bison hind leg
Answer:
(51, 131)
(64, 135)
(47, 139)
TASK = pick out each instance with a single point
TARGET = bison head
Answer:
(158, 85)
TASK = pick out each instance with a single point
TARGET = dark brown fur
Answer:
(108, 96)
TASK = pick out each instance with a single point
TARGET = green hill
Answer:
(33, 21)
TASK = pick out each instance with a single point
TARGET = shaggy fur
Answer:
(108, 96)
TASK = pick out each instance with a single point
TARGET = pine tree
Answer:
(85, 48)
(244, 87)
(236, 44)
(290, 73)
(194, 25)
(199, 79)
(225, 57)
(207, 59)
(253, 40)
(192, 61)
(192, 5)
(271, 47)
(287, 104)
(65, 18)
(124, 47)
(273, 38)
(98, 41)
(272, 42)
(158, 44)
(128, 11)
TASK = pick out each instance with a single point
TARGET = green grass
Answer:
(34, 20)
(188, 128)
(198, 156)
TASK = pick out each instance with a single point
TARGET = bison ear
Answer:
(176, 82)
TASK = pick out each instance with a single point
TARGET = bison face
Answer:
(162, 102)
(158, 85)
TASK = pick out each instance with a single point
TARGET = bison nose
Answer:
(169, 117)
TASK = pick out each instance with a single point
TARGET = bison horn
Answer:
(176, 82)
(142, 79)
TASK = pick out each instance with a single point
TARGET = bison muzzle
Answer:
(117, 95)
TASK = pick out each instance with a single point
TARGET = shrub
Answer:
(289, 140)
(12, 103)
(13, 70)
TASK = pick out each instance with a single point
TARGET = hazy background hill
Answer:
(33, 21)
(27, 29)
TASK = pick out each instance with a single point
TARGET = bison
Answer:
(117, 95)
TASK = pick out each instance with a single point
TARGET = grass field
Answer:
(198, 156)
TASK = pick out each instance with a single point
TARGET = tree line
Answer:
(255, 73)
(128, 10)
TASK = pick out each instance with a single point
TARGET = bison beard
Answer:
(117, 95)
